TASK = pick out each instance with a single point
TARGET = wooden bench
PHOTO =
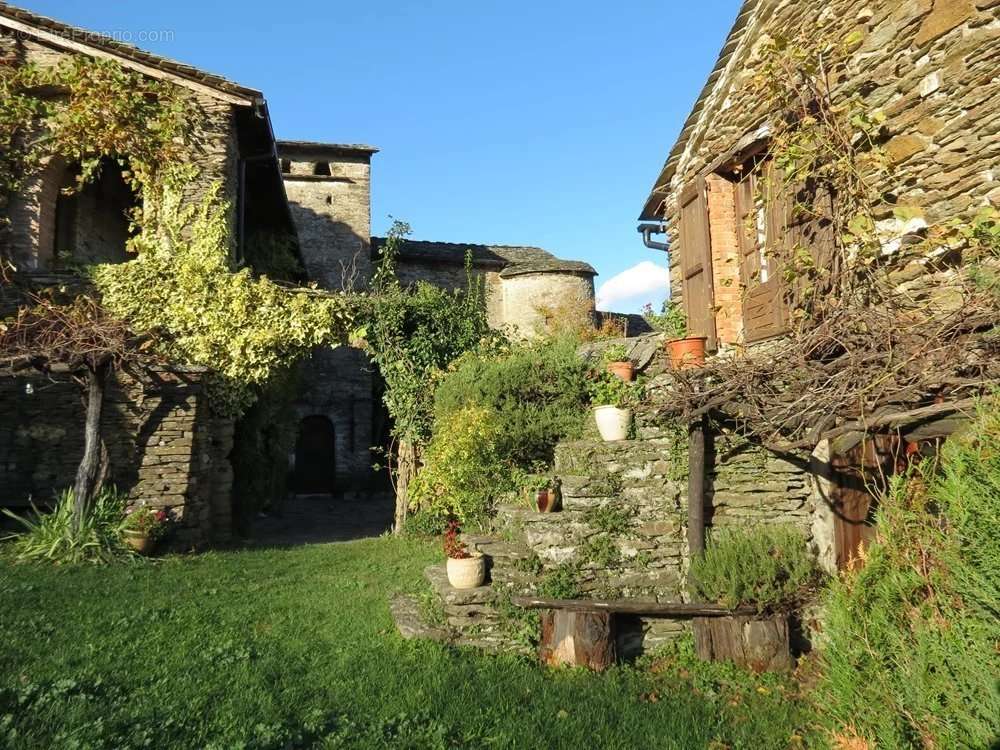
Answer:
(581, 632)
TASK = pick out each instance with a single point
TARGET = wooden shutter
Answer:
(764, 313)
(696, 262)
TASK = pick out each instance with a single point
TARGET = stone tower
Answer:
(329, 193)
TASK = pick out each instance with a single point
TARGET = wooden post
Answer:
(577, 639)
(758, 643)
(696, 487)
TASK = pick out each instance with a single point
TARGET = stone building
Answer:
(168, 448)
(932, 67)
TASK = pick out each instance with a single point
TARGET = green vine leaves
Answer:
(180, 286)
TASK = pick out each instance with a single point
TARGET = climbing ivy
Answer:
(180, 287)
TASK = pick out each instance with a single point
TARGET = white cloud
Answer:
(634, 287)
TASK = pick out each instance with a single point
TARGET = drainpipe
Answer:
(649, 229)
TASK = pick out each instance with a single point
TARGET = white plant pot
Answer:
(467, 573)
(612, 422)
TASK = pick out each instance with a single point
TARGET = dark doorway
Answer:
(315, 461)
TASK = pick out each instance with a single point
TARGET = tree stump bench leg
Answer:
(761, 644)
(578, 639)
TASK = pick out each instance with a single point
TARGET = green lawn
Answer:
(295, 648)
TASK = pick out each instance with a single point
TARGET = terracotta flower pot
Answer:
(547, 500)
(613, 423)
(623, 370)
(467, 572)
(141, 543)
(687, 353)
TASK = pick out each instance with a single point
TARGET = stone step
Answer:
(438, 577)
(596, 457)
(410, 623)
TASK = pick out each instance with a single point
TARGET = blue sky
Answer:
(520, 122)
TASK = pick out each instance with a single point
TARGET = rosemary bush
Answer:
(536, 390)
(768, 567)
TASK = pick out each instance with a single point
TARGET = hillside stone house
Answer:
(165, 445)
(933, 68)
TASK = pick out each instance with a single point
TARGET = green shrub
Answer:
(671, 319)
(50, 536)
(913, 638)
(463, 470)
(768, 567)
(537, 391)
(608, 390)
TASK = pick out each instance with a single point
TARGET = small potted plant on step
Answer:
(612, 400)
(618, 363)
(466, 570)
(686, 351)
(543, 493)
(144, 527)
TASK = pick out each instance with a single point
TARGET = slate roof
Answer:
(75, 36)
(498, 257)
(314, 147)
(652, 209)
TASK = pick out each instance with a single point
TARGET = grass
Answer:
(296, 648)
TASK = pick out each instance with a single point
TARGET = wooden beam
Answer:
(696, 487)
(632, 607)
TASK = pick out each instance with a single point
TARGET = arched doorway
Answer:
(315, 457)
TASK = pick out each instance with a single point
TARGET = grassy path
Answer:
(295, 648)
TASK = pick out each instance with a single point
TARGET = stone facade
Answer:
(930, 65)
(329, 188)
(165, 448)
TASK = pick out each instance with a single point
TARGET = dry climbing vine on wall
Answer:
(864, 339)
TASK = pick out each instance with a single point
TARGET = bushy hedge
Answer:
(463, 471)
(537, 392)
(767, 566)
(913, 653)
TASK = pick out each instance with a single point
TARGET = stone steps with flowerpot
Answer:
(628, 479)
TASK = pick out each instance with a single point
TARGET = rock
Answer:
(902, 147)
(945, 16)
(930, 84)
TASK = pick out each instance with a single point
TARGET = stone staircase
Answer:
(620, 534)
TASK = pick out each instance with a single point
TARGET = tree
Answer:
(82, 338)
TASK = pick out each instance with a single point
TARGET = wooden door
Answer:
(862, 474)
(315, 457)
(696, 263)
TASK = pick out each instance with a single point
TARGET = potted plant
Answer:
(685, 351)
(144, 527)
(543, 493)
(466, 570)
(618, 363)
(612, 399)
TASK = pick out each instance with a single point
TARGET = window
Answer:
(322, 169)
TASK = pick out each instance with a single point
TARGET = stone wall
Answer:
(533, 293)
(931, 65)
(165, 448)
